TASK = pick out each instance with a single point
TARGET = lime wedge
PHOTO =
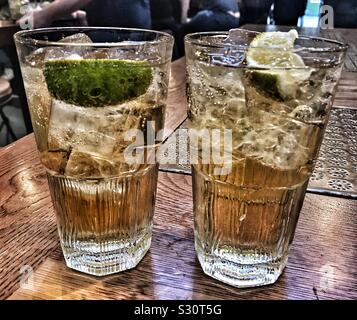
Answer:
(97, 82)
(280, 84)
(275, 39)
(278, 58)
(273, 51)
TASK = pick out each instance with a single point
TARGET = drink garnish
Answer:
(97, 82)
(285, 69)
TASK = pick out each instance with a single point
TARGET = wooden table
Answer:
(322, 263)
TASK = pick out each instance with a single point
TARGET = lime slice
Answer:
(280, 84)
(97, 82)
(278, 58)
(272, 50)
(275, 39)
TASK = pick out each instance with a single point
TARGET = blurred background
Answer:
(178, 17)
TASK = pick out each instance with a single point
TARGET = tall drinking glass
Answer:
(273, 93)
(95, 94)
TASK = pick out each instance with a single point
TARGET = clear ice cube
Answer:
(220, 97)
(93, 138)
(240, 37)
(77, 38)
(39, 56)
(89, 165)
(78, 127)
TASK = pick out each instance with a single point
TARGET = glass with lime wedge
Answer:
(272, 92)
(95, 96)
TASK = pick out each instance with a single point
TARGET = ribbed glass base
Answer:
(107, 257)
(243, 232)
(241, 269)
(105, 224)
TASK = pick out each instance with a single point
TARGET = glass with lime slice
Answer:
(97, 102)
(273, 92)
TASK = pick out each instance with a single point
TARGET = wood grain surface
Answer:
(346, 94)
(322, 262)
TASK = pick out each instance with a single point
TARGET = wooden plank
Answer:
(346, 94)
(322, 263)
(27, 225)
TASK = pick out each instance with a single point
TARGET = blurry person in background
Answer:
(214, 15)
(100, 13)
(254, 11)
(162, 15)
(193, 8)
(180, 8)
(345, 13)
(286, 12)
(167, 16)
(4, 10)
(119, 13)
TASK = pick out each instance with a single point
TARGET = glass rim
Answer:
(24, 37)
(338, 46)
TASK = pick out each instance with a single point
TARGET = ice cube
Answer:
(97, 54)
(72, 126)
(221, 80)
(39, 56)
(36, 58)
(258, 99)
(89, 165)
(112, 53)
(231, 58)
(93, 137)
(70, 52)
(77, 38)
(124, 53)
(278, 140)
(240, 37)
(218, 94)
(55, 161)
(39, 102)
(302, 113)
(62, 54)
